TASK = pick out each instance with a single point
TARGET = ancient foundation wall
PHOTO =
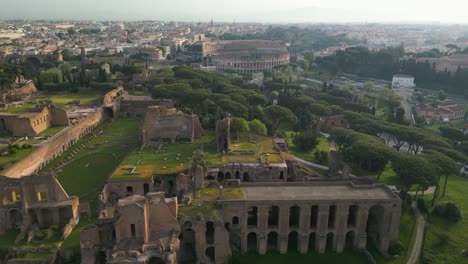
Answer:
(55, 146)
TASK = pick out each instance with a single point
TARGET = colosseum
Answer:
(245, 56)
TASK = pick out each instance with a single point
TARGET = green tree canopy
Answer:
(256, 126)
(276, 114)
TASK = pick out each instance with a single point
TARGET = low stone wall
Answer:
(54, 146)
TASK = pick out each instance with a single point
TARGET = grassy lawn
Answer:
(309, 156)
(62, 100)
(243, 146)
(52, 131)
(203, 203)
(172, 158)
(445, 241)
(8, 160)
(293, 258)
(93, 164)
(20, 109)
(388, 176)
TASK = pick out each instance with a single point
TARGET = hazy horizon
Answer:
(292, 11)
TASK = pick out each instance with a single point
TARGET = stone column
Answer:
(341, 227)
(244, 230)
(303, 243)
(283, 220)
(262, 218)
(363, 214)
(283, 243)
(385, 235)
(304, 224)
(322, 228)
(262, 243)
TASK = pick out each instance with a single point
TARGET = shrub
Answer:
(24, 146)
(305, 141)
(13, 151)
(395, 248)
(449, 211)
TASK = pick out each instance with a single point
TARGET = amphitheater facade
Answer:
(245, 56)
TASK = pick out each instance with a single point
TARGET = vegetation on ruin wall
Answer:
(294, 257)
(52, 131)
(8, 160)
(88, 169)
(205, 201)
(446, 240)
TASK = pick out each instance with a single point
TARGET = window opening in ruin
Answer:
(312, 238)
(209, 232)
(132, 230)
(252, 216)
(273, 216)
(227, 226)
(171, 186)
(245, 177)
(352, 215)
(210, 253)
(329, 245)
(129, 189)
(145, 188)
(281, 175)
(349, 241)
(293, 241)
(294, 215)
(235, 220)
(272, 241)
(374, 221)
(252, 242)
(313, 216)
(237, 174)
(220, 177)
(331, 216)
(228, 175)
(42, 196)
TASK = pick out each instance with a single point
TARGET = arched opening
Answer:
(331, 216)
(281, 175)
(349, 240)
(252, 217)
(237, 175)
(293, 241)
(16, 218)
(374, 222)
(187, 241)
(209, 178)
(245, 177)
(155, 260)
(102, 257)
(209, 232)
(145, 188)
(273, 216)
(210, 253)
(329, 246)
(228, 175)
(312, 238)
(235, 220)
(294, 216)
(252, 242)
(272, 241)
(352, 215)
(313, 216)
(220, 177)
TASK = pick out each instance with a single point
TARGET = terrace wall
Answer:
(55, 146)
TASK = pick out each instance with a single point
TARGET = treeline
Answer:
(384, 63)
(300, 39)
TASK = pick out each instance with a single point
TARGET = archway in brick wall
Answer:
(312, 239)
(272, 241)
(252, 242)
(293, 241)
(374, 224)
(16, 218)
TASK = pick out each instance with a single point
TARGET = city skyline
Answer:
(275, 11)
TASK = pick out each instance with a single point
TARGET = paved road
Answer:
(418, 241)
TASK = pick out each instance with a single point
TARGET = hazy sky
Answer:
(447, 11)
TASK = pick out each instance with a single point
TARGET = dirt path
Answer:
(417, 244)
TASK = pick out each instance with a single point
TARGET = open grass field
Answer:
(296, 258)
(10, 159)
(62, 100)
(445, 240)
(172, 158)
(52, 131)
(89, 168)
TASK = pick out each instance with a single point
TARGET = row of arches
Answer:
(295, 215)
(293, 242)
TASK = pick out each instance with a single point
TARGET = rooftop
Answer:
(317, 192)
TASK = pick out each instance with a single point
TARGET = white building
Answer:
(400, 80)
